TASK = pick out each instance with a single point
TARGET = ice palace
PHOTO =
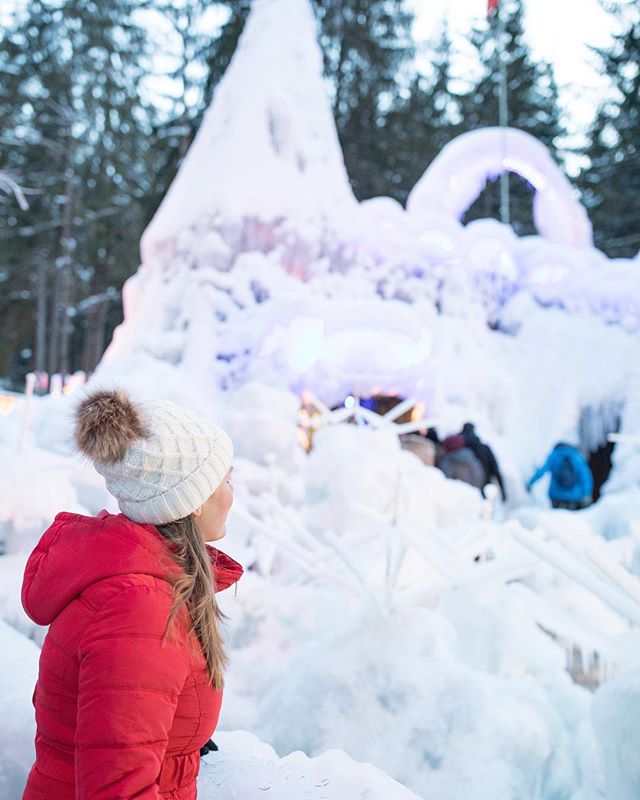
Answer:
(395, 635)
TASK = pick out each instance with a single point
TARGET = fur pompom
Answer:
(107, 422)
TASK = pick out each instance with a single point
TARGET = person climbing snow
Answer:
(460, 463)
(131, 670)
(485, 456)
(571, 485)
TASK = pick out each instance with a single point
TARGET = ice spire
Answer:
(268, 145)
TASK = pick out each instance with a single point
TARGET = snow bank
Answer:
(247, 768)
(19, 670)
(32, 492)
(616, 711)
(392, 691)
(355, 476)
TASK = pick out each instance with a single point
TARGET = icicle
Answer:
(578, 571)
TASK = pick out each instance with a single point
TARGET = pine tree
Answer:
(366, 43)
(220, 52)
(199, 61)
(75, 130)
(533, 106)
(611, 183)
(420, 124)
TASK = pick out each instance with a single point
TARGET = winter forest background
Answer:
(96, 114)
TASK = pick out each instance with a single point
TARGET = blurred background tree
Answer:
(74, 132)
(533, 107)
(610, 185)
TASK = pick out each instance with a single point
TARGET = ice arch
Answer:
(457, 176)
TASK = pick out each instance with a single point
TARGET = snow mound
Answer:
(392, 691)
(355, 475)
(247, 768)
(31, 493)
(616, 711)
(19, 670)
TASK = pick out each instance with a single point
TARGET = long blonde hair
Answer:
(195, 588)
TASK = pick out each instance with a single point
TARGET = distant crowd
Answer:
(464, 456)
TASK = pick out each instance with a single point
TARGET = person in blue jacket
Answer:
(571, 484)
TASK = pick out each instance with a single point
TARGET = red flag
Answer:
(492, 7)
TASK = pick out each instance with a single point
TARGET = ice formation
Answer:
(260, 264)
(267, 148)
(459, 173)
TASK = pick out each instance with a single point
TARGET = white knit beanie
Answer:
(161, 462)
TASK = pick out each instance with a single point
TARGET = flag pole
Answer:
(503, 115)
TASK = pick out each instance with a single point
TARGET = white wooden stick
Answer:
(400, 409)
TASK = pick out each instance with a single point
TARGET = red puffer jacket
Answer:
(120, 713)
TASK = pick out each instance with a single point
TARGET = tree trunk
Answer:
(60, 328)
(93, 345)
(40, 355)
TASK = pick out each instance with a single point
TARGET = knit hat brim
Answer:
(183, 499)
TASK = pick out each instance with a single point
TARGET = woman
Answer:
(131, 670)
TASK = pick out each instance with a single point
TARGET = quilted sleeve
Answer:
(226, 571)
(128, 688)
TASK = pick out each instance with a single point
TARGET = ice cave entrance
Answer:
(596, 425)
(487, 204)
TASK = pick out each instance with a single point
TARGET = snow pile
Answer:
(616, 710)
(248, 768)
(244, 766)
(355, 476)
(19, 670)
(434, 667)
(393, 690)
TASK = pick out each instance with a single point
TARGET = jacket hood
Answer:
(78, 551)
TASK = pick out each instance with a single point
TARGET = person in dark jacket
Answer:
(571, 485)
(485, 456)
(462, 465)
(131, 669)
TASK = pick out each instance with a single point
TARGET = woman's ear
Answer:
(198, 512)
